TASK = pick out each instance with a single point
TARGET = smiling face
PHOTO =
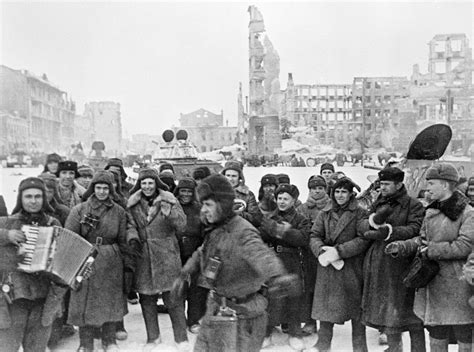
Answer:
(285, 201)
(185, 195)
(32, 200)
(438, 189)
(101, 191)
(148, 186)
(341, 195)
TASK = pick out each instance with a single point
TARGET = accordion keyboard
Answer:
(29, 246)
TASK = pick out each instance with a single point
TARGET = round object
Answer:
(431, 143)
(182, 135)
(310, 162)
(168, 136)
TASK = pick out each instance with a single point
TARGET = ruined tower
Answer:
(264, 89)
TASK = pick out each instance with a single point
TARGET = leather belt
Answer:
(283, 249)
(237, 300)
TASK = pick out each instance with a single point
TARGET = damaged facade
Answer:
(324, 107)
(445, 93)
(206, 130)
(264, 89)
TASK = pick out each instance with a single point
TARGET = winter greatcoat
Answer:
(310, 210)
(100, 298)
(386, 302)
(61, 211)
(444, 301)
(252, 212)
(160, 262)
(77, 192)
(293, 243)
(338, 293)
(25, 286)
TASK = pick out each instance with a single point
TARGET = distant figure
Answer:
(52, 162)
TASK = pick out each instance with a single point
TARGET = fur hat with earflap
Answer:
(149, 173)
(219, 189)
(27, 183)
(104, 177)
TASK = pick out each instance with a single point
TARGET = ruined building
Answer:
(326, 108)
(264, 89)
(445, 94)
(206, 130)
(33, 101)
(106, 123)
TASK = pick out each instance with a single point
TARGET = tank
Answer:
(182, 154)
(97, 159)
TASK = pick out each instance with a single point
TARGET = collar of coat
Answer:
(452, 207)
(352, 206)
(95, 203)
(241, 188)
(153, 210)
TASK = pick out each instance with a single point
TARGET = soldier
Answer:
(249, 209)
(24, 320)
(233, 263)
(70, 192)
(446, 236)
(51, 164)
(117, 165)
(85, 175)
(287, 232)
(386, 303)
(189, 240)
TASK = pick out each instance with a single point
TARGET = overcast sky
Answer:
(160, 59)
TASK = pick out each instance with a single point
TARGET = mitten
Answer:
(379, 234)
(382, 213)
(167, 197)
(329, 256)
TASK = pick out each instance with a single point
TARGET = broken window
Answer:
(456, 45)
(440, 67)
(367, 85)
(377, 85)
(358, 84)
(358, 113)
(377, 113)
(367, 113)
(386, 99)
(440, 46)
(367, 100)
(386, 113)
(378, 100)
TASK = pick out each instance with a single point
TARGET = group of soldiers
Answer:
(232, 267)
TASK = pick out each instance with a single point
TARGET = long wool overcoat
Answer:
(100, 298)
(444, 301)
(338, 293)
(386, 302)
(160, 262)
(294, 242)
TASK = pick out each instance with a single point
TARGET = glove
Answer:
(382, 214)
(393, 249)
(127, 281)
(329, 256)
(281, 228)
(379, 234)
(284, 286)
(166, 197)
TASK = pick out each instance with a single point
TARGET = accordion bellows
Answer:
(53, 250)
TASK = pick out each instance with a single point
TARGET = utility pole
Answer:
(363, 122)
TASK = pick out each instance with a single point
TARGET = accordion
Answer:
(60, 253)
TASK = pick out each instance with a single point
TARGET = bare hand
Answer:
(16, 237)
(165, 208)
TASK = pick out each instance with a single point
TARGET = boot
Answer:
(465, 347)
(417, 340)
(395, 343)
(438, 345)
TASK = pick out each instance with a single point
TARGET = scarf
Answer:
(317, 200)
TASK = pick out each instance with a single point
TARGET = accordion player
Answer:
(58, 252)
